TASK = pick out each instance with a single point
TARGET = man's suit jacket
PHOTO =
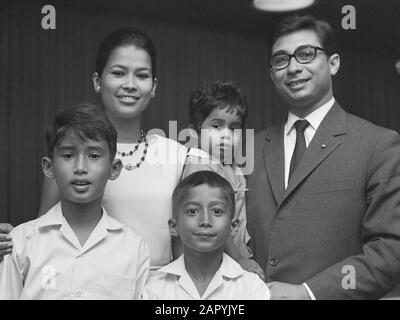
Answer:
(339, 218)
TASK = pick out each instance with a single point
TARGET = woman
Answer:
(126, 80)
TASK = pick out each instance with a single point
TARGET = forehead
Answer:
(225, 114)
(129, 55)
(203, 194)
(71, 139)
(291, 41)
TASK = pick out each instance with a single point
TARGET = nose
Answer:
(226, 133)
(80, 166)
(294, 66)
(205, 220)
(130, 83)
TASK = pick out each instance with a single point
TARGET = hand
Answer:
(252, 266)
(281, 290)
(5, 240)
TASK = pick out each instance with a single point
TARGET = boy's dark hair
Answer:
(125, 37)
(216, 95)
(208, 178)
(295, 22)
(87, 122)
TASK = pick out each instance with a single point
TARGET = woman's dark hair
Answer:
(125, 37)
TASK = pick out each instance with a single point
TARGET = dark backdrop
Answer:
(43, 71)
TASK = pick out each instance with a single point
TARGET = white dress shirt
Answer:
(230, 282)
(314, 118)
(48, 262)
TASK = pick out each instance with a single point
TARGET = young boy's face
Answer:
(204, 220)
(218, 135)
(81, 168)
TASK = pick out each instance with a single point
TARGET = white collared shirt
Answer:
(48, 262)
(230, 282)
(314, 118)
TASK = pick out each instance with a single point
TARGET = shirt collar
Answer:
(314, 118)
(229, 268)
(55, 217)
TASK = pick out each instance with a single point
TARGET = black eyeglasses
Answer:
(302, 55)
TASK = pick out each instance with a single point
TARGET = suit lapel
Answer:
(323, 144)
(274, 161)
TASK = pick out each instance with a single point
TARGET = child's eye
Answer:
(94, 156)
(191, 212)
(217, 211)
(68, 155)
(216, 126)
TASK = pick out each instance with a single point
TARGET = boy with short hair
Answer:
(203, 217)
(216, 110)
(75, 250)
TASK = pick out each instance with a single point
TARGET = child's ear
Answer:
(47, 166)
(235, 226)
(116, 168)
(173, 227)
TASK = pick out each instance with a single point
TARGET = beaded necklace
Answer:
(130, 166)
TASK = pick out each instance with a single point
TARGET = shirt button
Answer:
(274, 262)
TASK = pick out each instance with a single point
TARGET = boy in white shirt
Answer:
(203, 208)
(75, 250)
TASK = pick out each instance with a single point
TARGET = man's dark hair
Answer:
(295, 22)
(87, 122)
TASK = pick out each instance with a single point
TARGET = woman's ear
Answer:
(116, 168)
(96, 82)
(153, 90)
(173, 227)
(47, 167)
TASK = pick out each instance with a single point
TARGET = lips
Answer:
(296, 83)
(81, 185)
(128, 99)
(205, 235)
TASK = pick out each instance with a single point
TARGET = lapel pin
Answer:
(323, 146)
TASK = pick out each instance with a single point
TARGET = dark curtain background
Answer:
(43, 71)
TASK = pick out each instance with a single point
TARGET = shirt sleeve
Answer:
(147, 293)
(11, 278)
(260, 290)
(143, 267)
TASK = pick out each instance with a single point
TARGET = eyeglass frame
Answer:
(293, 55)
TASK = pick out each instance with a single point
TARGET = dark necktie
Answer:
(300, 146)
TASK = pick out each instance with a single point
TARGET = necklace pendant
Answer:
(128, 167)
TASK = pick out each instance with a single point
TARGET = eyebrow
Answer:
(299, 47)
(71, 146)
(222, 120)
(125, 67)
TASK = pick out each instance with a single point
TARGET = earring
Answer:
(153, 94)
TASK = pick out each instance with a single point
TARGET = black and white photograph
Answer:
(228, 150)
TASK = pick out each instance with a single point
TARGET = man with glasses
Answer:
(324, 197)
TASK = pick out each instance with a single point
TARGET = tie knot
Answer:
(301, 125)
